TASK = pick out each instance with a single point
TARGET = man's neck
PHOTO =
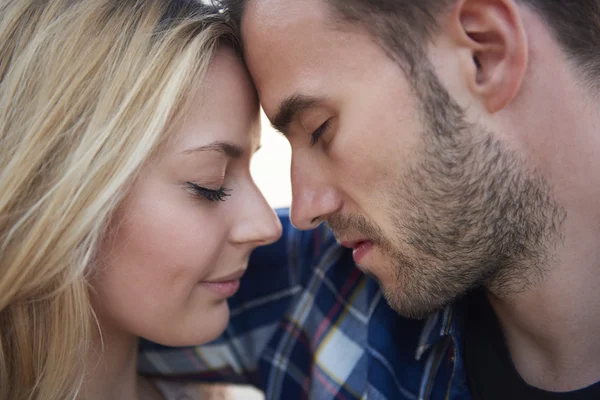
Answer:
(551, 329)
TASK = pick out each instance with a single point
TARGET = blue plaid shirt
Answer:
(307, 324)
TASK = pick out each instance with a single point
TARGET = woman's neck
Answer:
(112, 368)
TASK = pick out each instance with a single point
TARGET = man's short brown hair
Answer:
(403, 26)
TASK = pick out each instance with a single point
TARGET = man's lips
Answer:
(352, 244)
(360, 248)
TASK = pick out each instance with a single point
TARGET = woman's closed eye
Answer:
(212, 195)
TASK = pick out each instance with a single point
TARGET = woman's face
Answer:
(179, 243)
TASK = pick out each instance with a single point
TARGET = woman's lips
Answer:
(224, 288)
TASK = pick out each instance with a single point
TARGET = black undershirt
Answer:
(490, 371)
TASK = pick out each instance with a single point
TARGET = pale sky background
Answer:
(271, 167)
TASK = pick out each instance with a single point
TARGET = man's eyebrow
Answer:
(289, 108)
(229, 149)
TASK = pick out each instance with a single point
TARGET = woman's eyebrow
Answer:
(229, 149)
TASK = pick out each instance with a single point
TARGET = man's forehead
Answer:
(282, 39)
(269, 25)
(272, 14)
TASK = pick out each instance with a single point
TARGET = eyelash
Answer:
(211, 195)
(318, 133)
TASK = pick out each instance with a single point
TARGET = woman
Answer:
(126, 203)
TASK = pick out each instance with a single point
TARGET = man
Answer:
(453, 146)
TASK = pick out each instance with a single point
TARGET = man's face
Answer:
(432, 204)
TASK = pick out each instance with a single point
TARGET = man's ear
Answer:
(492, 32)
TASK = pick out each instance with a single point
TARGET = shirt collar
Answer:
(438, 326)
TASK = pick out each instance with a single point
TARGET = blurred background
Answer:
(271, 167)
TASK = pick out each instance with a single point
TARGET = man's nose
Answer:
(314, 197)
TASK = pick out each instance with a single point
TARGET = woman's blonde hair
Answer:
(87, 90)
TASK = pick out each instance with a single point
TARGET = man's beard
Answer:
(470, 212)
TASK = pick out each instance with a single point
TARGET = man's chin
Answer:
(369, 274)
(411, 309)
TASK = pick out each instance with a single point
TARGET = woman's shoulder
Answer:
(171, 390)
(179, 391)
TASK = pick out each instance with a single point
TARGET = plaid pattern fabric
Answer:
(307, 324)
